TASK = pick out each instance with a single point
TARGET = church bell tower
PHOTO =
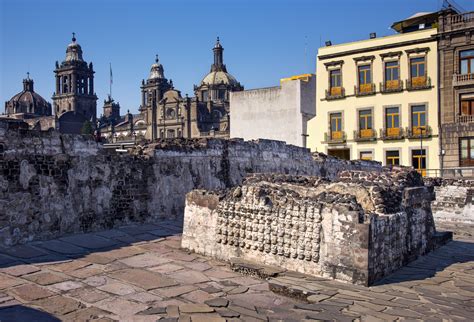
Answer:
(75, 84)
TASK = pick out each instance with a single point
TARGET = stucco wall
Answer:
(351, 104)
(275, 113)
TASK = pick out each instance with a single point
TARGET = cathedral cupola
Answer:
(156, 70)
(74, 50)
(27, 102)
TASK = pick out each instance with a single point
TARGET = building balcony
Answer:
(393, 86)
(365, 135)
(335, 137)
(457, 22)
(464, 118)
(463, 79)
(393, 133)
(418, 132)
(418, 83)
(335, 93)
(364, 89)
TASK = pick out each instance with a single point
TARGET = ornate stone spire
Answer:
(218, 57)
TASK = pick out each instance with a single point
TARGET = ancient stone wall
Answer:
(454, 200)
(357, 228)
(53, 184)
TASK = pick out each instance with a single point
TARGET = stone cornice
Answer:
(391, 54)
(417, 50)
(375, 48)
(334, 63)
(364, 58)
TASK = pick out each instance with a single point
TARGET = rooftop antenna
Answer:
(111, 81)
(452, 4)
(306, 52)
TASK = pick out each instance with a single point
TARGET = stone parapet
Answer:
(53, 184)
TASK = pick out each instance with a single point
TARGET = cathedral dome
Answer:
(219, 77)
(28, 102)
(74, 51)
(156, 70)
(218, 74)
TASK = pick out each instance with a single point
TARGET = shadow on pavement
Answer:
(79, 245)
(456, 251)
(16, 313)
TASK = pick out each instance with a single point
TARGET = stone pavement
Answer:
(139, 273)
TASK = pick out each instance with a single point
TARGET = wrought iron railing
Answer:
(393, 86)
(364, 89)
(455, 172)
(393, 133)
(335, 137)
(335, 93)
(417, 83)
(416, 132)
(365, 135)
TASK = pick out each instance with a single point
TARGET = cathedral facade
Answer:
(164, 113)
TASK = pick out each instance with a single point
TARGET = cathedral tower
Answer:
(75, 85)
(152, 93)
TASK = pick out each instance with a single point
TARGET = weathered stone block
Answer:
(348, 229)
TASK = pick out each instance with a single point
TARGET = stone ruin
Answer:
(356, 228)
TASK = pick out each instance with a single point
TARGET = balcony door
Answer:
(336, 126)
(467, 106)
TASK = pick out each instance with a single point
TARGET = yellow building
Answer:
(377, 99)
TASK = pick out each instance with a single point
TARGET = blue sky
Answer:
(264, 40)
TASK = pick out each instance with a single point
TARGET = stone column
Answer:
(58, 85)
(74, 83)
(91, 85)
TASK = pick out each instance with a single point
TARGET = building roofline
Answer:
(379, 47)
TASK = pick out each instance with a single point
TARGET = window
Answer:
(467, 105)
(392, 71)
(417, 67)
(364, 75)
(467, 151)
(221, 94)
(392, 157)
(365, 119)
(335, 78)
(418, 119)
(392, 121)
(205, 96)
(365, 79)
(466, 58)
(336, 126)
(335, 82)
(418, 161)
(365, 123)
(392, 75)
(170, 134)
(366, 155)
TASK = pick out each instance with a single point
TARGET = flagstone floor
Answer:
(139, 273)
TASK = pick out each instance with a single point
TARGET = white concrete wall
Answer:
(276, 113)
